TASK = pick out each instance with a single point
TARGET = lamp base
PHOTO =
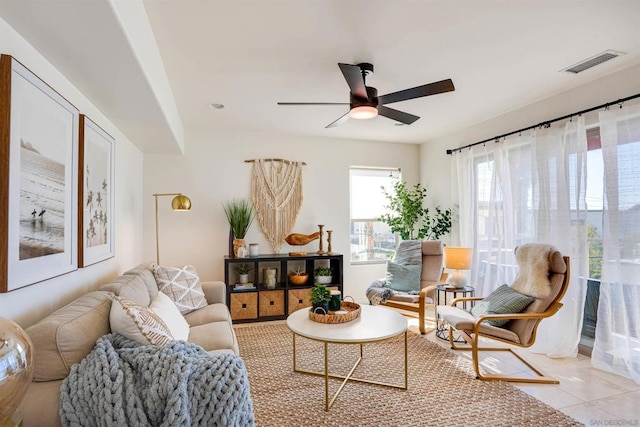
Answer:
(457, 280)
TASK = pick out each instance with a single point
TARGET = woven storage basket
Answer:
(352, 309)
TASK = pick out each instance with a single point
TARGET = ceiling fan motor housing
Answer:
(372, 93)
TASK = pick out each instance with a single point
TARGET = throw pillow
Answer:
(503, 300)
(182, 285)
(138, 323)
(405, 278)
(170, 315)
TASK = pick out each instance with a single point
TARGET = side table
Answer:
(444, 295)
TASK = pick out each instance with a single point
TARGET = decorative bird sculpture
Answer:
(296, 239)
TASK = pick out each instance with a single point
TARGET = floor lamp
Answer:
(179, 203)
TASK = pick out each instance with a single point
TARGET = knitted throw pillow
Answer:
(138, 323)
(503, 300)
(182, 285)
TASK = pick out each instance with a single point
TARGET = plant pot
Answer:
(324, 280)
(320, 308)
(243, 278)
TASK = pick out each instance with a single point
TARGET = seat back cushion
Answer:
(432, 262)
(524, 328)
(131, 287)
(145, 272)
(66, 336)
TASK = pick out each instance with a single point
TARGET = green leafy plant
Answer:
(409, 218)
(240, 214)
(242, 268)
(322, 271)
(320, 294)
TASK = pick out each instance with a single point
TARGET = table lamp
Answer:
(458, 259)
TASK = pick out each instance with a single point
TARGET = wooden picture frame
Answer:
(38, 179)
(96, 195)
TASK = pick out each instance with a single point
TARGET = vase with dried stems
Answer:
(240, 214)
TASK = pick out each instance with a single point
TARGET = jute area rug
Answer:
(442, 390)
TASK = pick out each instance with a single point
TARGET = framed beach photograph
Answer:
(96, 196)
(38, 179)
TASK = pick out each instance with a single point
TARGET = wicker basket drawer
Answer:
(299, 298)
(244, 305)
(271, 303)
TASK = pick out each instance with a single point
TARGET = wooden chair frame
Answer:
(419, 307)
(472, 337)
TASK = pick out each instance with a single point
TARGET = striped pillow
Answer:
(138, 323)
(503, 300)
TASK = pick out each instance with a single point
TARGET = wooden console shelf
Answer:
(262, 303)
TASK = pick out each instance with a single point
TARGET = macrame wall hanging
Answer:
(276, 194)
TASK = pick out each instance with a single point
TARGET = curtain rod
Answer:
(275, 160)
(547, 123)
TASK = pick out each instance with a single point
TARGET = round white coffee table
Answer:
(374, 324)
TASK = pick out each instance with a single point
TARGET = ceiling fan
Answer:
(365, 102)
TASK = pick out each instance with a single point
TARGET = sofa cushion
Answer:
(138, 323)
(145, 272)
(214, 336)
(182, 285)
(66, 336)
(131, 287)
(170, 315)
(211, 313)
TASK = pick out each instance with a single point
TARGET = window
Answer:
(371, 241)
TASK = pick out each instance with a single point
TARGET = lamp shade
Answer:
(458, 258)
(363, 112)
(181, 203)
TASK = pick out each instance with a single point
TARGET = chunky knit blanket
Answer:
(123, 383)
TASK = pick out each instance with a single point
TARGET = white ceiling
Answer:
(250, 54)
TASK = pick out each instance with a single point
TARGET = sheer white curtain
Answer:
(530, 188)
(617, 343)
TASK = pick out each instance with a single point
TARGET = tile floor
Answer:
(591, 396)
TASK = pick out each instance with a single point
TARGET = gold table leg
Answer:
(328, 403)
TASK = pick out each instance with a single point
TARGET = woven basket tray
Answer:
(352, 309)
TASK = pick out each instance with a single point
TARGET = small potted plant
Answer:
(322, 275)
(242, 270)
(240, 214)
(320, 297)
(298, 277)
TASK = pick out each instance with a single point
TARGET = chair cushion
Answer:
(182, 285)
(503, 300)
(462, 320)
(403, 277)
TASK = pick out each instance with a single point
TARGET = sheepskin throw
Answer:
(533, 269)
(276, 194)
(122, 383)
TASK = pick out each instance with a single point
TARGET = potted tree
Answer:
(240, 214)
(322, 275)
(242, 270)
(320, 297)
(409, 218)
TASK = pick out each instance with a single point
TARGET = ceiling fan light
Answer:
(363, 112)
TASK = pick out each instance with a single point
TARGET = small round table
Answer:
(444, 295)
(374, 324)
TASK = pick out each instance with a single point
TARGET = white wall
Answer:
(213, 171)
(28, 305)
(435, 164)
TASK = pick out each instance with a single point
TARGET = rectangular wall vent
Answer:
(593, 61)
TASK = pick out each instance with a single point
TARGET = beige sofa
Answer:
(68, 335)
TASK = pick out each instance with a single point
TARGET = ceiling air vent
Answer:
(593, 61)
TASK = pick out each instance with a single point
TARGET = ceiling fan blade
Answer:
(397, 115)
(417, 92)
(338, 122)
(313, 103)
(353, 76)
